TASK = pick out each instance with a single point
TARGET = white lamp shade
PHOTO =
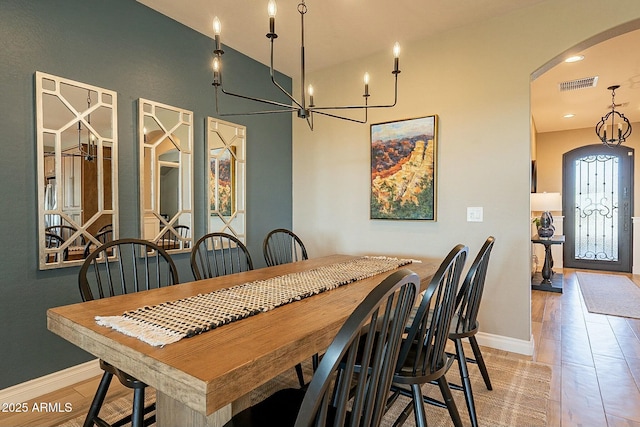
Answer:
(541, 202)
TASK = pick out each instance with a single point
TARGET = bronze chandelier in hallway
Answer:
(623, 125)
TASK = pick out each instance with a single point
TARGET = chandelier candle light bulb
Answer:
(396, 57)
(272, 9)
(216, 71)
(310, 92)
(366, 84)
(217, 28)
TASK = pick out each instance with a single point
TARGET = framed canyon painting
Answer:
(403, 169)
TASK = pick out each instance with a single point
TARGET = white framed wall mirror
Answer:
(226, 146)
(166, 175)
(76, 137)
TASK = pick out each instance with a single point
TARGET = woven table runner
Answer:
(171, 321)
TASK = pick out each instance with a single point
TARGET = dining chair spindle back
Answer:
(103, 236)
(120, 267)
(381, 317)
(422, 356)
(219, 254)
(465, 324)
(282, 246)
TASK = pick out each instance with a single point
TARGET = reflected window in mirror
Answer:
(226, 144)
(76, 126)
(166, 175)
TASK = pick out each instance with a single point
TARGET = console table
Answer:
(551, 281)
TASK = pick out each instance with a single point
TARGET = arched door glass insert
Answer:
(77, 141)
(598, 196)
(226, 144)
(166, 175)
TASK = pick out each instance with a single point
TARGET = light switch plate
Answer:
(474, 214)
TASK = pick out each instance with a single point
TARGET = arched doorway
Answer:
(551, 174)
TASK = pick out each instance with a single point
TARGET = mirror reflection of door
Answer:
(169, 191)
(166, 179)
(77, 164)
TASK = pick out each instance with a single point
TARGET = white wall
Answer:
(477, 80)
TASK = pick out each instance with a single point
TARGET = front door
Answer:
(598, 205)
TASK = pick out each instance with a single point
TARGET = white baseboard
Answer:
(39, 386)
(505, 343)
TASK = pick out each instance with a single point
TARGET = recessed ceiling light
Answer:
(568, 116)
(574, 58)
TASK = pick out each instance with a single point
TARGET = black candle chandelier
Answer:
(620, 131)
(305, 107)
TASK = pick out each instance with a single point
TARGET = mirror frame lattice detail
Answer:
(77, 189)
(165, 135)
(226, 143)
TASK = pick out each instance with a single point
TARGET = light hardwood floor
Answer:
(595, 361)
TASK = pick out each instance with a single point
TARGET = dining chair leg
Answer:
(466, 382)
(448, 400)
(300, 375)
(98, 399)
(137, 416)
(480, 361)
(418, 406)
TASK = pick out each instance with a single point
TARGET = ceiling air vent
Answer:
(578, 84)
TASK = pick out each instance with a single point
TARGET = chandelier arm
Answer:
(254, 113)
(366, 106)
(250, 98)
(276, 84)
(335, 116)
(216, 97)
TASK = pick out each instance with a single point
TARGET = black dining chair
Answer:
(327, 402)
(172, 238)
(422, 357)
(52, 240)
(105, 228)
(102, 237)
(465, 324)
(64, 231)
(218, 254)
(120, 267)
(282, 246)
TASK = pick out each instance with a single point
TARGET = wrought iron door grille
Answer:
(596, 210)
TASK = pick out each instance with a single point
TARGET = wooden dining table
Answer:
(198, 379)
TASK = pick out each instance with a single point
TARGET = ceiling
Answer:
(614, 63)
(341, 30)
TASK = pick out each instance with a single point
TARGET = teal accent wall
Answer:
(123, 46)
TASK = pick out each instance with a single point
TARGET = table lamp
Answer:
(545, 203)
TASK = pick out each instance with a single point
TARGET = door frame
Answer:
(625, 206)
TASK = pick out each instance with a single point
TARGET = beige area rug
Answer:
(611, 294)
(519, 396)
